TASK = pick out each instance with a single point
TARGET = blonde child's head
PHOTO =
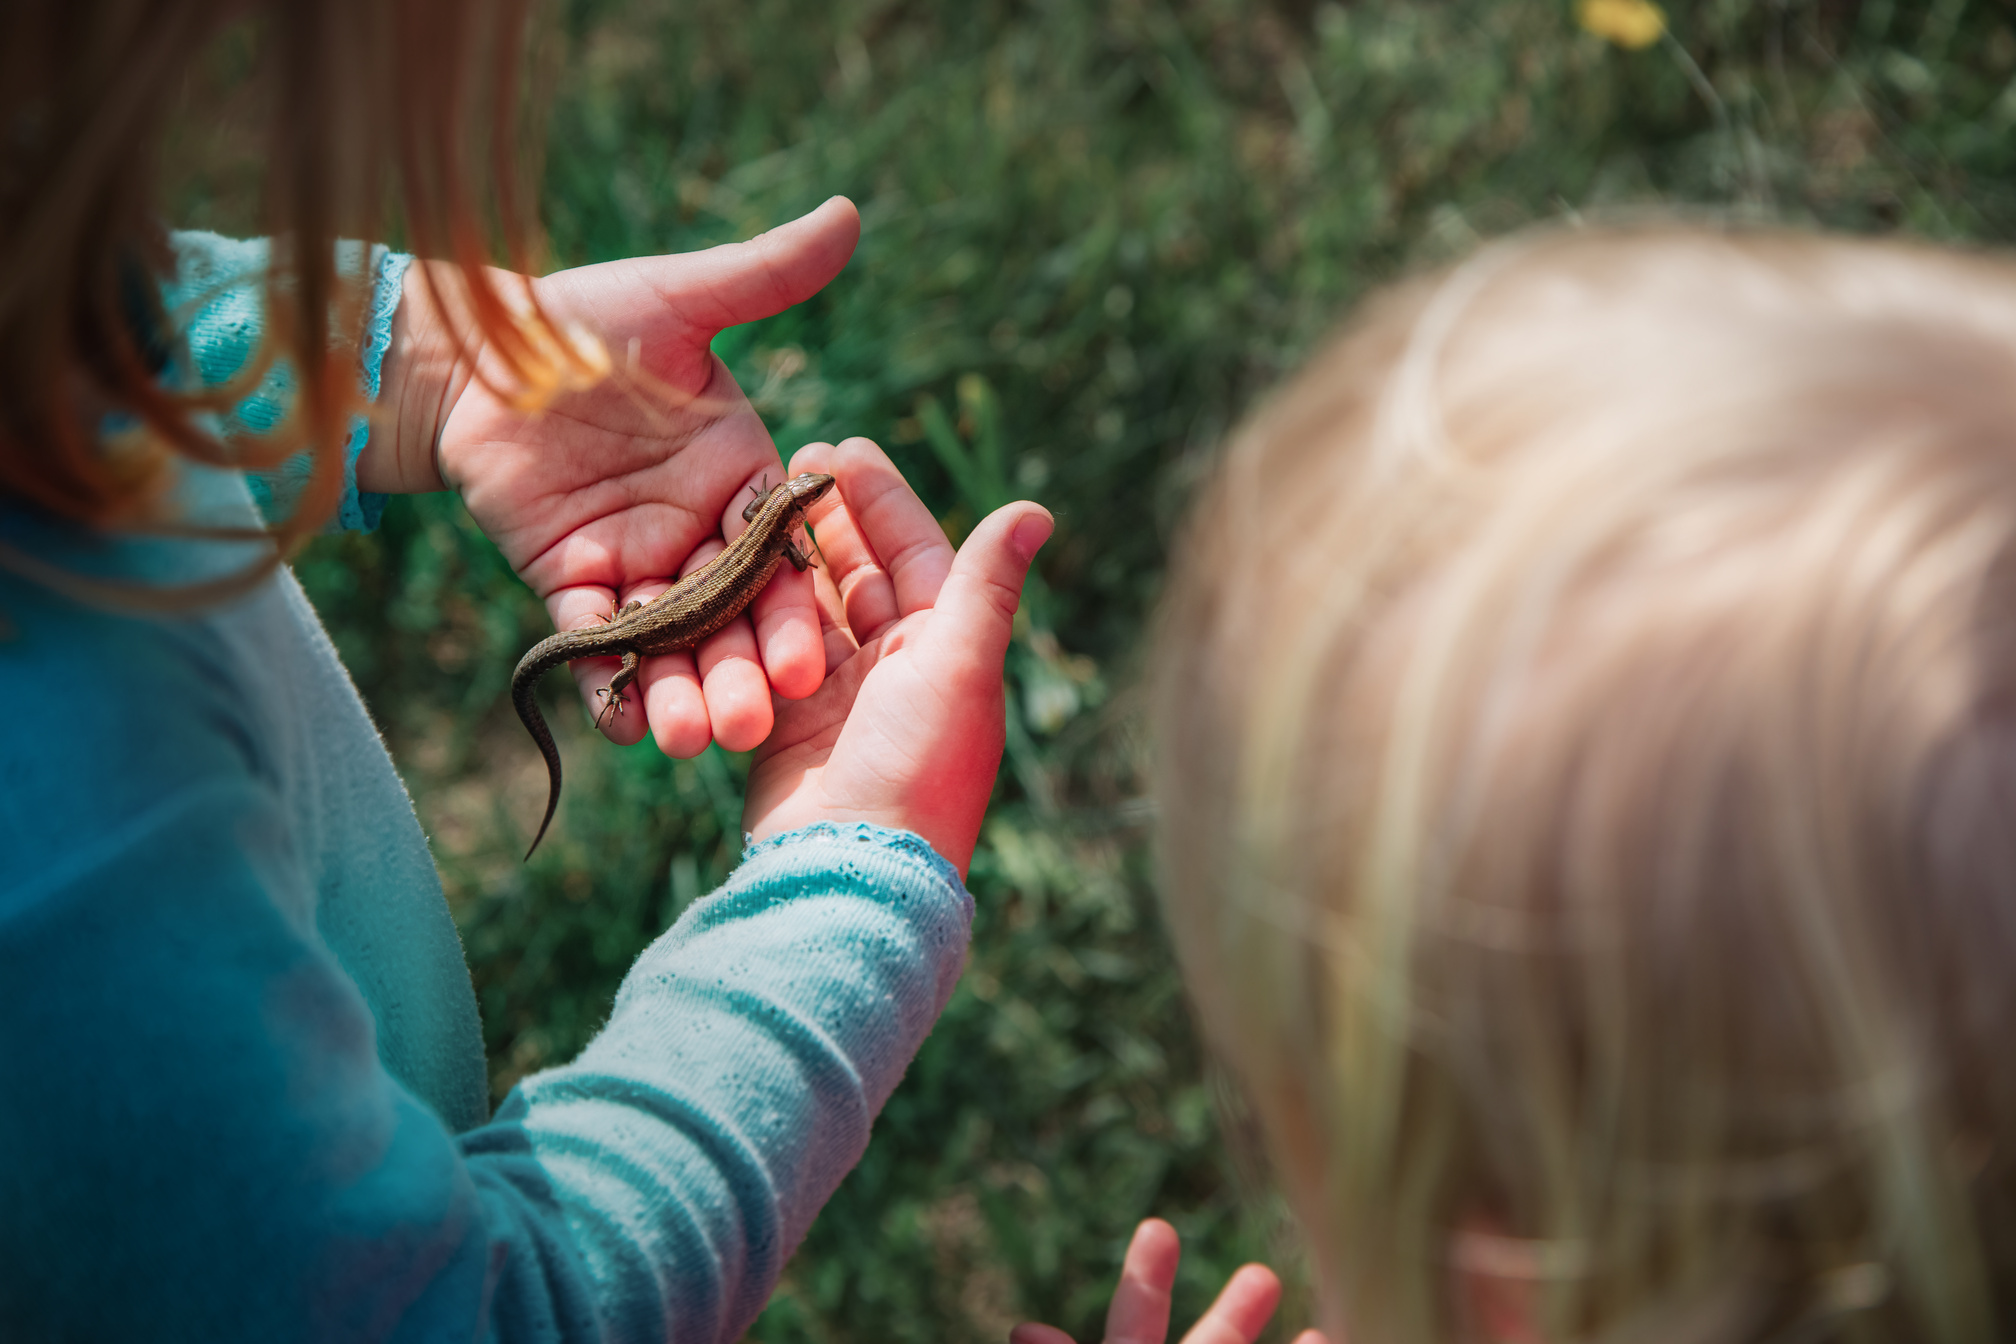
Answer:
(1588, 715)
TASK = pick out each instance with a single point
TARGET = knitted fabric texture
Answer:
(216, 304)
(247, 1096)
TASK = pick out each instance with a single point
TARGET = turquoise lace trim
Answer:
(360, 511)
(217, 303)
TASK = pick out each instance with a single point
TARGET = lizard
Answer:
(678, 618)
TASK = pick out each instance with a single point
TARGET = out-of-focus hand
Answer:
(1140, 1310)
(610, 493)
(907, 730)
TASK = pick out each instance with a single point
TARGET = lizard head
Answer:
(807, 488)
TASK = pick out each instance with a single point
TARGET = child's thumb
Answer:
(975, 611)
(741, 282)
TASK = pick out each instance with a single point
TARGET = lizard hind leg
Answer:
(612, 694)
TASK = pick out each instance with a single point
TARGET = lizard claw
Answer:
(612, 706)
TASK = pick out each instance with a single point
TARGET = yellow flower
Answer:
(1632, 24)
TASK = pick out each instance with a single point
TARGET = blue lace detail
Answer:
(216, 301)
(880, 838)
(360, 511)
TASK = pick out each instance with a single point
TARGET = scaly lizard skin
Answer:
(678, 618)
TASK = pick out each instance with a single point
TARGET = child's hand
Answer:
(907, 730)
(1140, 1310)
(610, 493)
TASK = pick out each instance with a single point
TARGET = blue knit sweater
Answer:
(244, 1093)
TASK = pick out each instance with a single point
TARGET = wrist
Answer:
(897, 843)
(951, 839)
(423, 374)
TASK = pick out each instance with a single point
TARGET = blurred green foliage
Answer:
(1093, 235)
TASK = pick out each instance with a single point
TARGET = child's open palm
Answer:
(607, 493)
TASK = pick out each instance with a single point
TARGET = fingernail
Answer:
(1030, 534)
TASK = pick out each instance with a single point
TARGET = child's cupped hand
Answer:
(603, 494)
(1139, 1313)
(907, 730)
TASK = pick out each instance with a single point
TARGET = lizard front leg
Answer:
(801, 558)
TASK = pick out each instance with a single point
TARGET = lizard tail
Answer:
(523, 683)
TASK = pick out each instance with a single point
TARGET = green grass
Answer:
(1094, 234)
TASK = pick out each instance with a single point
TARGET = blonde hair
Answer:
(1587, 705)
(377, 113)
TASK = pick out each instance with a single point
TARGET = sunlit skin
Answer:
(885, 663)
(609, 494)
(906, 732)
(1139, 1313)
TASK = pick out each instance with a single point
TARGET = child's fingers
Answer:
(846, 556)
(783, 616)
(975, 612)
(675, 705)
(593, 676)
(667, 690)
(739, 708)
(734, 704)
(1242, 1310)
(584, 608)
(1029, 1332)
(581, 606)
(896, 553)
(1140, 1310)
(839, 641)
